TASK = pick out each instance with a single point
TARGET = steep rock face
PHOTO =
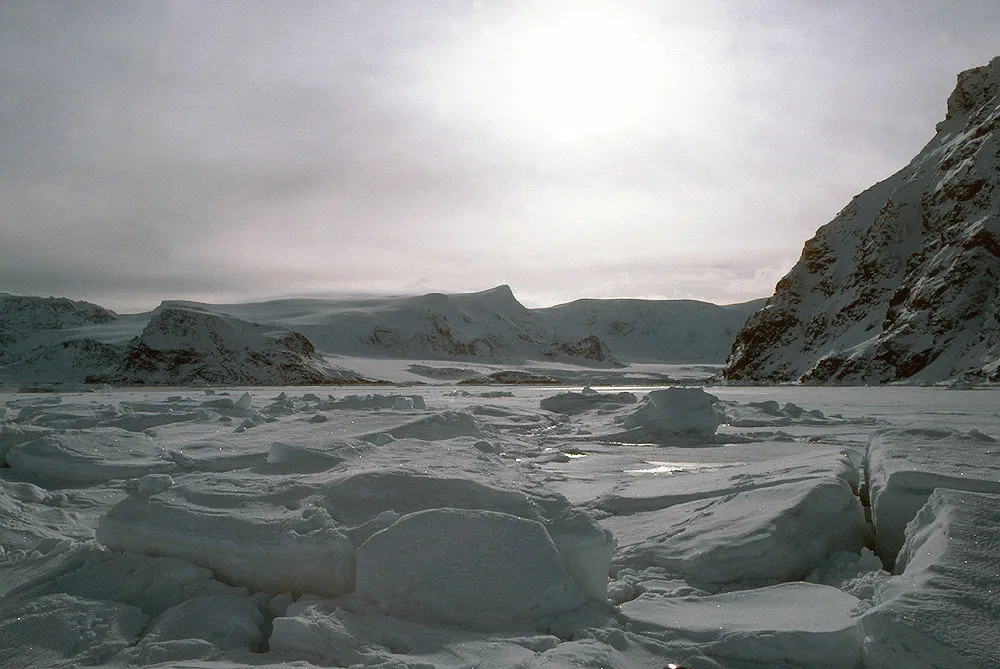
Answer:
(183, 345)
(903, 283)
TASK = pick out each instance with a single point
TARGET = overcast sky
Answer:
(228, 151)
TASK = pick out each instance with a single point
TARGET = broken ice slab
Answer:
(943, 610)
(903, 467)
(280, 528)
(649, 491)
(75, 457)
(786, 625)
(414, 570)
(758, 537)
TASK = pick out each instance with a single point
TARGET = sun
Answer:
(569, 71)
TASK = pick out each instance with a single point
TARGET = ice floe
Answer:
(435, 533)
(757, 537)
(943, 608)
(415, 569)
(787, 625)
(903, 467)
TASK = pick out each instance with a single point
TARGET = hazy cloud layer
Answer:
(223, 151)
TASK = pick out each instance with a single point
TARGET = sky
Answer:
(227, 152)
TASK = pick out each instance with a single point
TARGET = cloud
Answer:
(214, 150)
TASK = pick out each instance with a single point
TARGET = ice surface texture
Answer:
(504, 570)
(793, 624)
(91, 457)
(903, 467)
(299, 533)
(758, 537)
(943, 609)
(429, 532)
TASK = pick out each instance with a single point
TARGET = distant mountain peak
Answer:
(286, 341)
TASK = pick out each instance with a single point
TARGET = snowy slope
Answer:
(903, 283)
(655, 330)
(39, 340)
(488, 326)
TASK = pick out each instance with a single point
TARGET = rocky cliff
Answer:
(903, 283)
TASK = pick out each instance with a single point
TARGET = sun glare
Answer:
(570, 71)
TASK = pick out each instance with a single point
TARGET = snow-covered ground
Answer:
(457, 526)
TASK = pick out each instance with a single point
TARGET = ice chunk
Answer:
(89, 457)
(66, 631)
(244, 403)
(435, 427)
(150, 484)
(361, 497)
(943, 610)
(152, 584)
(324, 630)
(787, 625)
(673, 414)
(224, 621)
(444, 565)
(376, 401)
(757, 537)
(10, 435)
(293, 525)
(586, 400)
(307, 457)
(903, 467)
(30, 514)
(770, 414)
(648, 492)
(266, 545)
(843, 569)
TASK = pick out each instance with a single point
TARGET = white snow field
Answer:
(453, 526)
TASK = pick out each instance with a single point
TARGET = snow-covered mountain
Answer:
(38, 340)
(283, 342)
(488, 326)
(22, 318)
(492, 326)
(903, 284)
(656, 330)
(184, 345)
